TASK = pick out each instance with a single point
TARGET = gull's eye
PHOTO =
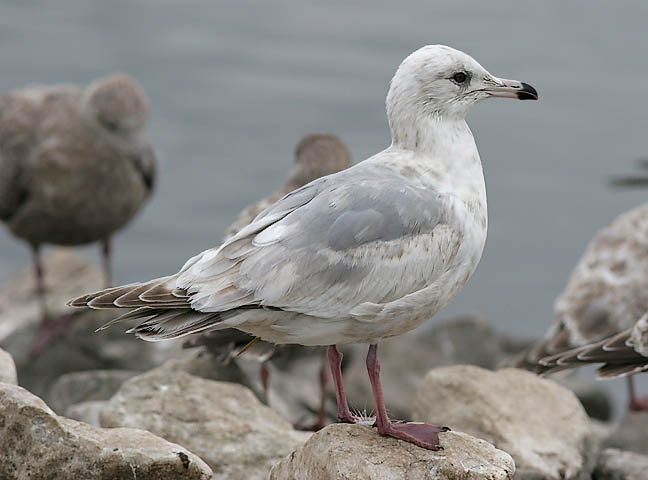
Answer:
(110, 125)
(460, 77)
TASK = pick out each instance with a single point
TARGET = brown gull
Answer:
(365, 254)
(606, 294)
(74, 165)
(316, 155)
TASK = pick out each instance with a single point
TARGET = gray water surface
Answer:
(233, 85)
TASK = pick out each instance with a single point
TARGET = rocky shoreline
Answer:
(108, 406)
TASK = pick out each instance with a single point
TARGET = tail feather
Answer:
(618, 371)
(616, 353)
(158, 293)
(165, 327)
(530, 359)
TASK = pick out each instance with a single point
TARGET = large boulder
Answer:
(224, 423)
(36, 443)
(357, 452)
(79, 347)
(8, 372)
(614, 464)
(540, 423)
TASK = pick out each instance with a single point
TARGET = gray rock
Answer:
(614, 464)
(79, 348)
(357, 452)
(87, 412)
(77, 387)
(631, 433)
(468, 340)
(7, 368)
(36, 443)
(541, 424)
(222, 422)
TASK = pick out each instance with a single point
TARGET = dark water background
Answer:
(234, 84)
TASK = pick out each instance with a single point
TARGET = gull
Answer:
(74, 166)
(316, 155)
(622, 355)
(362, 255)
(605, 295)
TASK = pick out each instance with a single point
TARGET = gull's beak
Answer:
(511, 89)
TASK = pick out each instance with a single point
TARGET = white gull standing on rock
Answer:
(365, 254)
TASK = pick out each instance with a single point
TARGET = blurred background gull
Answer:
(232, 85)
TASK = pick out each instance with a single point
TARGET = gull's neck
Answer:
(442, 146)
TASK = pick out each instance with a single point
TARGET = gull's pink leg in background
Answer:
(335, 361)
(635, 403)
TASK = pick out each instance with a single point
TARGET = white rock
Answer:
(540, 423)
(36, 443)
(7, 368)
(224, 423)
(357, 452)
(614, 464)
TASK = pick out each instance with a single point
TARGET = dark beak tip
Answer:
(527, 92)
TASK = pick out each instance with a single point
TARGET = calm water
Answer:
(233, 85)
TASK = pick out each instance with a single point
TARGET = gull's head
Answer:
(439, 81)
(117, 103)
(318, 155)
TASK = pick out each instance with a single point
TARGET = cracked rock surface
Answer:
(540, 423)
(37, 444)
(357, 452)
(223, 423)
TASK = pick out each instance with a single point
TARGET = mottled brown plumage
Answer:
(316, 155)
(74, 165)
(606, 296)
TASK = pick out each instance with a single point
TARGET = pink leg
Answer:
(321, 416)
(106, 251)
(335, 361)
(635, 403)
(323, 377)
(40, 283)
(264, 375)
(421, 434)
(50, 328)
